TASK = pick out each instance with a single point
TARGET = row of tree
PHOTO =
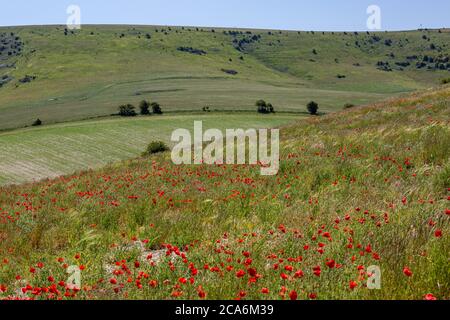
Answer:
(266, 108)
(145, 108)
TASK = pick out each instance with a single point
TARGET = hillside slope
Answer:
(57, 75)
(360, 188)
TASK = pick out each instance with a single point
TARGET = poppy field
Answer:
(359, 188)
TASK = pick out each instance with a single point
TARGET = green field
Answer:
(356, 188)
(60, 149)
(90, 72)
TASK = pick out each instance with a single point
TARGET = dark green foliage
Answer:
(264, 107)
(155, 147)
(312, 107)
(37, 123)
(127, 110)
(144, 107)
(156, 108)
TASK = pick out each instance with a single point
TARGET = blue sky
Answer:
(318, 15)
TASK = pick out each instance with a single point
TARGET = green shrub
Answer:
(264, 107)
(445, 81)
(155, 147)
(348, 105)
(38, 122)
(156, 108)
(312, 107)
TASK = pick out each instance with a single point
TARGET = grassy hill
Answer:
(363, 187)
(57, 75)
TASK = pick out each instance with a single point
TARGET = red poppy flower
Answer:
(317, 271)
(201, 292)
(312, 296)
(298, 274)
(264, 290)
(293, 295)
(429, 297)
(182, 280)
(252, 272)
(288, 268)
(240, 273)
(353, 285)
(177, 294)
(407, 272)
(330, 263)
(438, 233)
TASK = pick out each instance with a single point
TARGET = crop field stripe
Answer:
(34, 154)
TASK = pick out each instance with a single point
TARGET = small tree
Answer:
(264, 107)
(144, 106)
(127, 110)
(36, 123)
(156, 108)
(312, 107)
